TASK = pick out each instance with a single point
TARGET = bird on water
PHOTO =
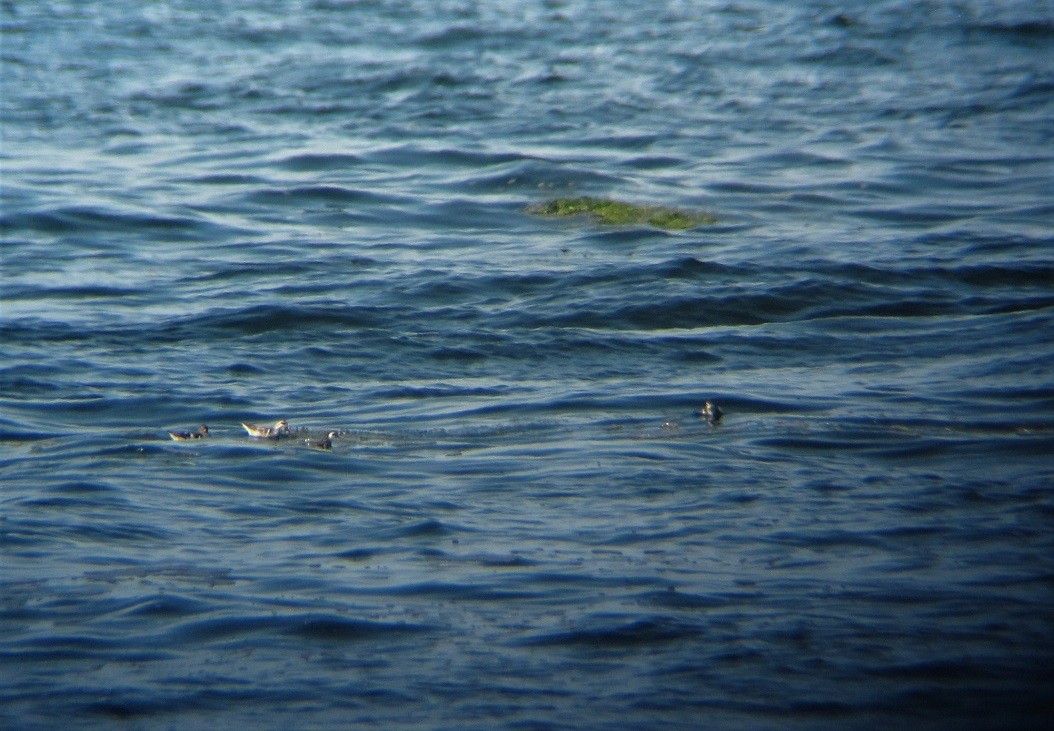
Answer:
(182, 436)
(711, 412)
(326, 443)
(280, 428)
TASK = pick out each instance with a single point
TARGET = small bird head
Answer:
(711, 412)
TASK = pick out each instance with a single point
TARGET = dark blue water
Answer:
(247, 210)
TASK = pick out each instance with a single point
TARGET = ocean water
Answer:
(319, 210)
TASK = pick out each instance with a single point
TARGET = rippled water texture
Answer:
(246, 210)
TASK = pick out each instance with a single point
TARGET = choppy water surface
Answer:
(317, 210)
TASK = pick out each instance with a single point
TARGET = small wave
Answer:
(452, 36)
(824, 539)
(255, 270)
(441, 390)
(312, 626)
(168, 606)
(415, 156)
(77, 219)
(655, 162)
(226, 179)
(118, 532)
(12, 431)
(245, 369)
(457, 355)
(989, 275)
(332, 628)
(72, 292)
(73, 647)
(611, 634)
(429, 528)
(307, 195)
(457, 592)
(258, 319)
(359, 554)
(850, 55)
(316, 162)
(937, 671)
(1026, 31)
(1034, 87)
(533, 175)
(81, 487)
(672, 599)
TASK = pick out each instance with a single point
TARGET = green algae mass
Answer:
(619, 213)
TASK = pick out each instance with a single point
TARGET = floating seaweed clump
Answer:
(620, 213)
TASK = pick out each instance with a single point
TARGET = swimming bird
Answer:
(326, 443)
(711, 412)
(182, 436)
(280, 428)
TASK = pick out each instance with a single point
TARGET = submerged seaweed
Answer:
(619, 213)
